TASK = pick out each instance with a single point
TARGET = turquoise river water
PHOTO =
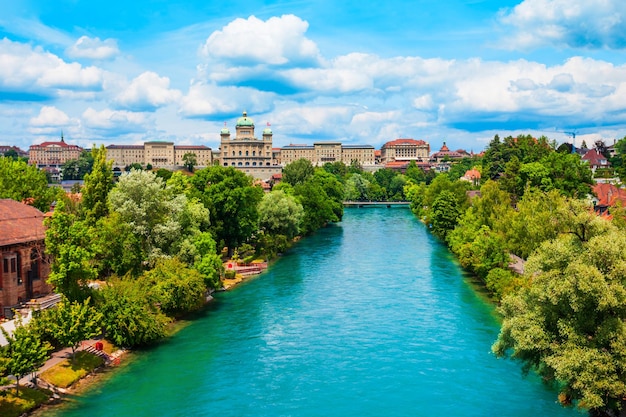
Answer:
(369, 317)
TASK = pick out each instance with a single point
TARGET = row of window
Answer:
(240, 164)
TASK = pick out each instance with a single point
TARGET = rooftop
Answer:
(20, 223)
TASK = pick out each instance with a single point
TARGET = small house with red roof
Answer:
(472, 175)
(607, 196)
(596, 160)
(23, 266)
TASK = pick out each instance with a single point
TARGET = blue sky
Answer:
(360, 72)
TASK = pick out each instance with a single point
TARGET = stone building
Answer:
(405, 150)
(246, 152)
(322, 152)
(159, 154)
(50, 156)
(23, 266)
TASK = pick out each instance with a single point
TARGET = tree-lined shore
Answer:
(133, 254)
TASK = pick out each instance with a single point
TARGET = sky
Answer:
(359, 72)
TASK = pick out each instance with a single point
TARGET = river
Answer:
(368, 317)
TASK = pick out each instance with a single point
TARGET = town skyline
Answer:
(457, 73)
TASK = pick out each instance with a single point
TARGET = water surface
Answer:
(370, 317)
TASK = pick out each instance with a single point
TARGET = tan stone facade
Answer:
(322, 152)
(158, 154)
(405, 150)
(53, 154)
(245, 151)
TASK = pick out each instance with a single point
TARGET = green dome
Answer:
(267, 131)
(245, 120)
(225, 131)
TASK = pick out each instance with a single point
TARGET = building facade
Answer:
(405, 150)
(6, 148)
(23, 266)
(159, 154)
(322, 152)
(246, 152)
(53, 154)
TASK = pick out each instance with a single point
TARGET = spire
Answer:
(62, 137)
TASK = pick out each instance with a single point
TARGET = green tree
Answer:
(177, 288)
(116, 248)
(161, 219)
(338, 168)
(567, 324)
(12, 154)
(70, 323)
(208, 262)
(98, 184)
(26, 352)
(68, 242)
(280, 214)
(298, 172)
(356, 188)
(232, 201)
(76, 169)
(190, 160)
(22, 182)
(131, 316)
(444, 214)
(166, 174)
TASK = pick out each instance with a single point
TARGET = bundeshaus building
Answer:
(246, 152)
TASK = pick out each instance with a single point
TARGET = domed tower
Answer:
(267, 133)
(245, 127)
(245, 151)
(225, 133)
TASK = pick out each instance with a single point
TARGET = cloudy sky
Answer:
(356, 71)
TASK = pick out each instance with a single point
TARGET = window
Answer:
(239, 153)
(6, 266)
(13, 265)
(246, 153)
(247, 163)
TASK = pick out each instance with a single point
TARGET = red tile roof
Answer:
(61, 144)
(595, 158)
(19, 223)
(609, 195)
(472, 174)
(404, 142)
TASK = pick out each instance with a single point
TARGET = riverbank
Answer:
(62, 397)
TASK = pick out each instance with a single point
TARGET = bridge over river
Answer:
(377, 203)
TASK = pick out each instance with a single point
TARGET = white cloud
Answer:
(93, 48)
(115, 121)
(277, 41)
(148, 91)
(34, 70)
(570, 23)
(50, 116)
(51, 121)
(208, 101)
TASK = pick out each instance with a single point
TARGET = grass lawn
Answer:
(66, 373)
(12, 405)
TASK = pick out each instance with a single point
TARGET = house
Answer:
(607, 196)
(596, 160)
(472, 176)
(23, 265)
